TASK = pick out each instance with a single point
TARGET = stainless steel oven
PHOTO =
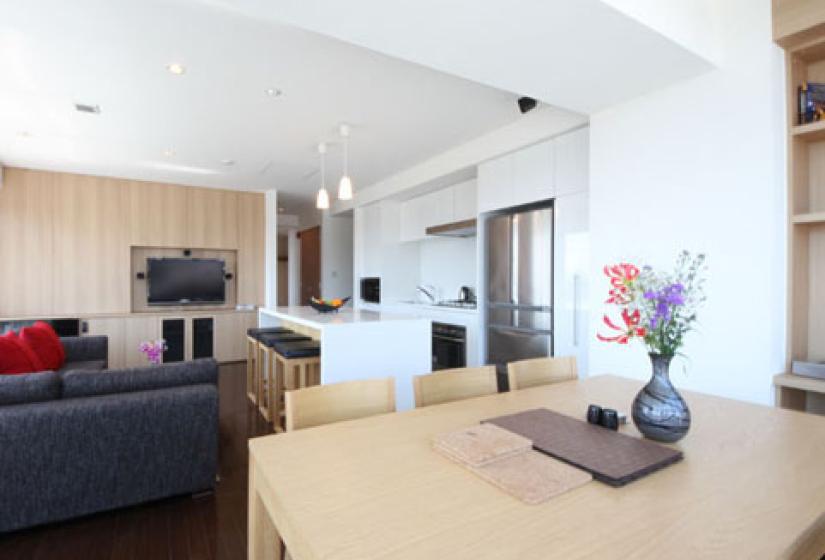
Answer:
(449, 346)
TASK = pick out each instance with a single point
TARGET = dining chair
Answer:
(448, 385)
(324, 404)
(541, 371)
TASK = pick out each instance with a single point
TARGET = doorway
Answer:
(310, 263)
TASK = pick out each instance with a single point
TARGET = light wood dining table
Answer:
(751, 485)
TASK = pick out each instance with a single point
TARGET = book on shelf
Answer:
(811, 102)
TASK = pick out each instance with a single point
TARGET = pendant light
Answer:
(345, 185)
(322, 202)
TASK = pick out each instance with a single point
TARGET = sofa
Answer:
(86, 439)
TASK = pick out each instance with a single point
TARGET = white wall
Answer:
(336, 257)
(271, 248)
(448, 263)
(700, 166)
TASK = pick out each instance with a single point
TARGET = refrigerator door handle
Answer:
(516, 307)
(520, 330)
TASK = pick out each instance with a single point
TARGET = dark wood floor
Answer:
(210, 527)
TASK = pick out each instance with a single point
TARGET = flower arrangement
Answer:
(154, 350)
(658, 308)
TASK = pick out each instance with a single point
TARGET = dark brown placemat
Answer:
(611, 457)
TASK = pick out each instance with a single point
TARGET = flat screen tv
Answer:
(185, 281)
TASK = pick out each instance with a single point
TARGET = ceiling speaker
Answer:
(526, 104)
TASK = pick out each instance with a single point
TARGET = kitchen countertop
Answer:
(309, 317)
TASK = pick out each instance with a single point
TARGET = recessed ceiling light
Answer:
(273, 92)
(227, 162)
(87, 108)
(176, 68)
(24, 134)
(169, 152)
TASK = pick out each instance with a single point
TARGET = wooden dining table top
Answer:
(751, 485)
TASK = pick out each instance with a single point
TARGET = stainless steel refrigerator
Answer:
(519, 251)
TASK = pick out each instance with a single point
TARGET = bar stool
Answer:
(296, 364)
(253, 372)
(267, 374)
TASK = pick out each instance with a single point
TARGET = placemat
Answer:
(532, 477)
(481, 444)
(611, 457)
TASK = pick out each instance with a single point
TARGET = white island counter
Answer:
(360, 344)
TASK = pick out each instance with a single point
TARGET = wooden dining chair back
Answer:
(325, 404)
(454, 385)
(541, 371)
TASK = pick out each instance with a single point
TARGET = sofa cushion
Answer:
(84, 383)
(42, 339)
(16, 357)
(29, 388)
(86, 365)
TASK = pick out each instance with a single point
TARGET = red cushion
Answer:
(44, 342)
(16, 357)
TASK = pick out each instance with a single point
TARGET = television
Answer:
(174, 281)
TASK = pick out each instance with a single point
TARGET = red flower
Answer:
(621, 276)
(631, 329)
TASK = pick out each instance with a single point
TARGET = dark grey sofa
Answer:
(79, 441)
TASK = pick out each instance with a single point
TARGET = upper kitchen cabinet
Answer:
(518, 178)
(533, 175)
(572, 169)
(437, 208)
(465, 201)
(556, 167)
(495, 184)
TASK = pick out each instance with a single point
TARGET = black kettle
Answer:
(466, 295)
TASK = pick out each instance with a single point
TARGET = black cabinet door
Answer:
(203, 338)
(173, 332)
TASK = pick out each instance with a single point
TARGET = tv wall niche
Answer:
(140, 277)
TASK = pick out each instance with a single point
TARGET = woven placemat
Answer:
(611, 457)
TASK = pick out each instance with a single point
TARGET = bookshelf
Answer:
(804, 44)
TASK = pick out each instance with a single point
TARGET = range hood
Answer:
(464, 228)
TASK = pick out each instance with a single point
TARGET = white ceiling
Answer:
(113, 53)
(581, 55)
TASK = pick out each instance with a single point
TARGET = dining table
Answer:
(751, 484)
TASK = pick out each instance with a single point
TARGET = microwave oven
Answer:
(371, 290)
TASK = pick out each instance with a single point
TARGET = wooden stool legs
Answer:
(252, 369)
(289, 374)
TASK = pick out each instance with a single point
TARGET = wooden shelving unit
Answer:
(805, 62)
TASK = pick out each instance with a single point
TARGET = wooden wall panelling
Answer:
(159, 214)
(797, 20)
(212, 219)
(91, 257)
(251, 227)
(26, 249)
(230, 335)
(115, 329)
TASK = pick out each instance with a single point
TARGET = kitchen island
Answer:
(361, 344)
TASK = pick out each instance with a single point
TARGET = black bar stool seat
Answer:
(270, 339)
(291, 349)
(257, 331)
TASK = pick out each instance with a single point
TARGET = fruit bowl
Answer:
(327, 306)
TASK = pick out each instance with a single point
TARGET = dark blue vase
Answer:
(659, 411)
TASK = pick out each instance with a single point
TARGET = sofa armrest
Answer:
(86, 348)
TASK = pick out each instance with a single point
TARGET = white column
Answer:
(294, 266)
(271, 250)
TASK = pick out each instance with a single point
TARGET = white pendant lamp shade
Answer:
(322, 201)
(345, 188)
(345, 185)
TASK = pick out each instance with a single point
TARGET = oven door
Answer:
(449, 352)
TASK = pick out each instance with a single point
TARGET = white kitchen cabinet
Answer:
(533, 176)
(419, 213)
(465, 201)
(438, 208)
(495, 184)
(570, 283)
(572, 162)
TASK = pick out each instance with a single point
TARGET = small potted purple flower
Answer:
(659, 309)
(154, 350)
